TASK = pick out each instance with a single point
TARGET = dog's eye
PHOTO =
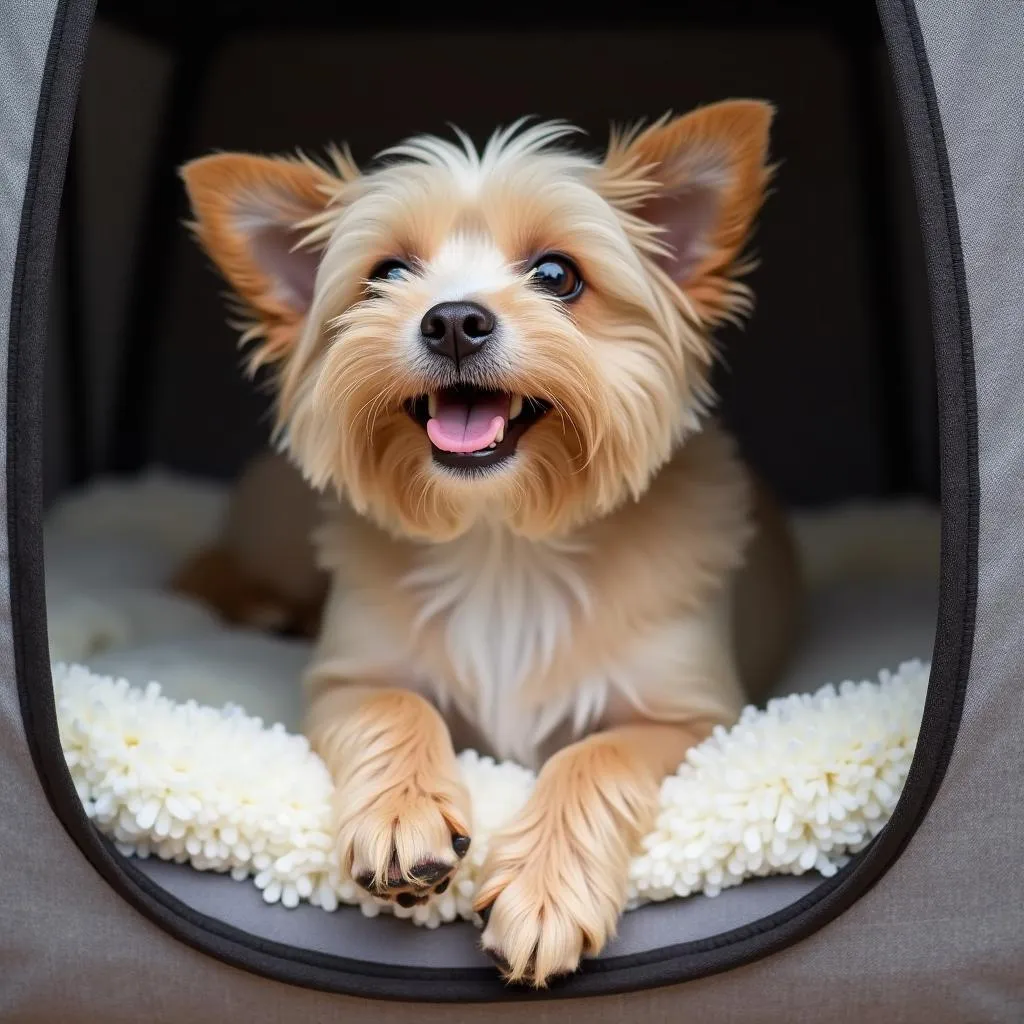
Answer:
(558, 276)
(389, 270)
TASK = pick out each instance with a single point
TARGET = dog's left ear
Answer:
(698, 181)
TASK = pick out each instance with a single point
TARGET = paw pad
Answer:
(426, 878)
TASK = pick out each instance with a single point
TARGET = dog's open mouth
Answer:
(470, 428)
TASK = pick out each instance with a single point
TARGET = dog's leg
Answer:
(261, 571)
(217, 578)
(555, 880)
(402, 813)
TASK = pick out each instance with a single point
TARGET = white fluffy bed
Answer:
(176, 769)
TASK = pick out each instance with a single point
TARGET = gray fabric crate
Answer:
(927, 925)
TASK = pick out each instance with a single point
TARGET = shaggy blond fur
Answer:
(574, 604)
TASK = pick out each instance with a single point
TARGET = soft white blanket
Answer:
(179, 770)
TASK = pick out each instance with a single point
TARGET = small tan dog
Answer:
(499, 364)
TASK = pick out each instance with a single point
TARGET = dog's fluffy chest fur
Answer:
(525, 639)
(504, 607)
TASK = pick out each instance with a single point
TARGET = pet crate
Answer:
(881, 362)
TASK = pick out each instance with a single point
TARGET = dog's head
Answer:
(521, 334)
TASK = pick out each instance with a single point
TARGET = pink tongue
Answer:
(459, 427)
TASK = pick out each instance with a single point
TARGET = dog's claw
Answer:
(528, 978)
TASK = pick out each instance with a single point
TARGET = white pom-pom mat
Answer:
(797, 786)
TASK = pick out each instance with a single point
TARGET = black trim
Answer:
(26, 363)
(952, 655)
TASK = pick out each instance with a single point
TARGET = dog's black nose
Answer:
(456, 329)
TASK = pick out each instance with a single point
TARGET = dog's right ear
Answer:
(252, 217)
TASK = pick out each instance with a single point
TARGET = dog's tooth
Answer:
(493, 444)
(515, 407)
(432, 405)
(499, 436)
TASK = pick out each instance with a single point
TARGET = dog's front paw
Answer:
(546, 902)
(404, 842)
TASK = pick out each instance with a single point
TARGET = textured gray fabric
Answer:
(978, 61)
(23, 812)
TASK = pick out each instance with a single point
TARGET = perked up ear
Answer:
(692, 186)
(251, 216)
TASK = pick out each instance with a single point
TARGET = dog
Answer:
(492, 369)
